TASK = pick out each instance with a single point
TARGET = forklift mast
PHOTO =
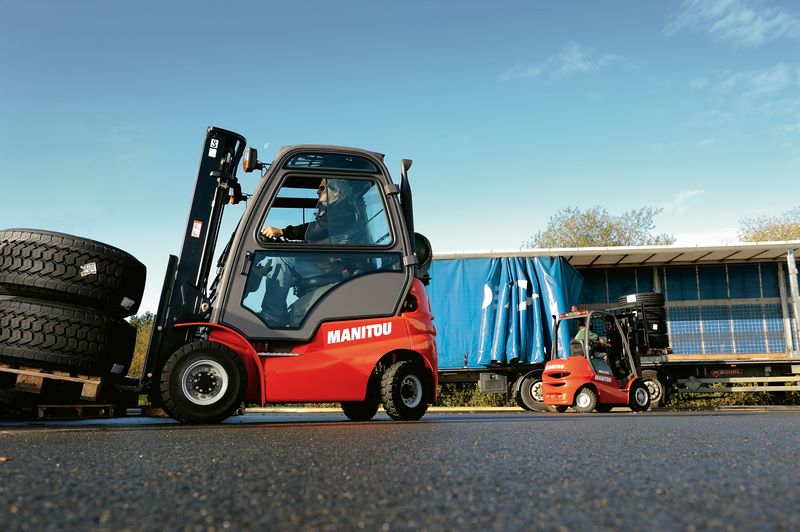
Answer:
(184, 296)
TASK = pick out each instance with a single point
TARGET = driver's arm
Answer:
(291, 232)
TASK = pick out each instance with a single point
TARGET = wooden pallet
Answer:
(74, 411)
(31, 379)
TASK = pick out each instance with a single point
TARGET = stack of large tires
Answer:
(652, 319)
(63, 300)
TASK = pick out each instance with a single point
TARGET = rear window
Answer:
(331, 161)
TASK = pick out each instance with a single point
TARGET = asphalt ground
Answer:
(731, 469)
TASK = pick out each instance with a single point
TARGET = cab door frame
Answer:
(372, 295)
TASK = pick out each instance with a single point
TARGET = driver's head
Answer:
(329, 191)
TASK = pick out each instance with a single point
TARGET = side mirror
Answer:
(250, 161)
(423, 250)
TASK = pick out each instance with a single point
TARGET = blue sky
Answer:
(510, 110)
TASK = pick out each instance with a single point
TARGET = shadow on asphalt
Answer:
(335, 418)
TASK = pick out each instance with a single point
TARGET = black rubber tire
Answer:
(591, 400)
(604, 409)
(229, 372)
(64, 337)
(654, 387)
(648, 299)
(561, 409)
(528, 393)
(360, 410)
(403, 390)
(639, 401)
(70, 269)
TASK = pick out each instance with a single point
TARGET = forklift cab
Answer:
(319, 294)
(599, 371)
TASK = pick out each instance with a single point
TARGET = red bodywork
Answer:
(563, 377)
(337, 363)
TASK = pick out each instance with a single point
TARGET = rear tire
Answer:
(403, 391)
(70, 269)
(360, 410)
(203, 382)
(585, 400)
(64, 337)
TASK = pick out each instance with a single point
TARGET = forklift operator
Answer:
(310, 276)
(330, 196)
(581, 331)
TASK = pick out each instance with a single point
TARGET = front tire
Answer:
(585, 400)
(640, 397)
(203, 382)
(360, 410)
(403, 391)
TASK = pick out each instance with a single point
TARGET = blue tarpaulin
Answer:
(499, 310)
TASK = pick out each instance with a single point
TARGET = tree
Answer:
(144, 325)
(594, 227)
(784, 226)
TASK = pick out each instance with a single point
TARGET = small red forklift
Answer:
(600, 371)
(318, 295)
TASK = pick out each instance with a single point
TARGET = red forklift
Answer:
(600, 371)
(327, 305)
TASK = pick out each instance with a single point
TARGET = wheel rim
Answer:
(641, 396)
(583, 400)
(536, 391)
(411, 391)
(204, 382)
(653, 389)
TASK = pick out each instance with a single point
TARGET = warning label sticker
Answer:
(197, 227)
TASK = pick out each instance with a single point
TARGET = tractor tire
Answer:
(203, 382)
(528, 393)
(64, 337)
(360, 410)
(403, 391)
(70, 269)
(585, 400)
(640, 397)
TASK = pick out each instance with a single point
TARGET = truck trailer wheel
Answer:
(64, 337)
(403, 391)
(654, 387)
(203, 382)
(528, 392)
(585, 400)
(70, 269)
(640, 397)
(360, 410)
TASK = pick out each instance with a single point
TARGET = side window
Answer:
(283, 287)
(330, 211)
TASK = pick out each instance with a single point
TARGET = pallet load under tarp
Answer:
(498, 310)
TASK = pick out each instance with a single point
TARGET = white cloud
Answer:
(711, 237)
(739, 22)
(706, 142)
(572, 59)
(679, 204)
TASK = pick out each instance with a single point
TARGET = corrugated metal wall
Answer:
(711, 309)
